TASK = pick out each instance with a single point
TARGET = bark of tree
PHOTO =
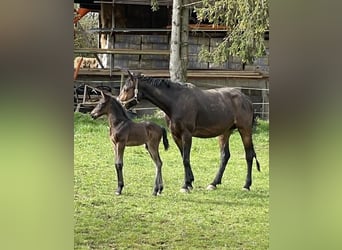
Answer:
(184, 40)
(179, 42)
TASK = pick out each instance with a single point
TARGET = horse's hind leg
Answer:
(152, 148)
(119, 151)
(225, 155)
(246, 136)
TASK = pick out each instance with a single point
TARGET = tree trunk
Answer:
(106, 39)
(184, 40)
(179, 42)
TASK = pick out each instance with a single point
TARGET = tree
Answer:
(246, 22)
(179, 41)
(82, 39)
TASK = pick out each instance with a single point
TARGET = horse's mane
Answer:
(161, 82)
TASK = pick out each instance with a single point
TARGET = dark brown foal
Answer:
(124, 132)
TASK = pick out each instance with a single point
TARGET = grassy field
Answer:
(227, 218)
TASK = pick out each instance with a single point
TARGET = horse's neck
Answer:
(159, 96)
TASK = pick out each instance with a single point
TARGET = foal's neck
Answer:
(116, 115)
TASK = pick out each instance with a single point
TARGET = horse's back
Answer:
(242, 107)
(222, 108)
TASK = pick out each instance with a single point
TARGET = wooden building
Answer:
(139, 40)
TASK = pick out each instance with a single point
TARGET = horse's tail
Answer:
(257, 162)
(254, 121)
(165, 140)
(254, 125)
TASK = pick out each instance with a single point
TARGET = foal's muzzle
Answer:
(94, 115)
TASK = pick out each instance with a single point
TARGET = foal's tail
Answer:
(165, 140)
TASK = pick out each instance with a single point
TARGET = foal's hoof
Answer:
(246, 189)
(117, 192)
(211, 187)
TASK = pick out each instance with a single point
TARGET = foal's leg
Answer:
(153, 150)
(246, 136)
(225, 155)
(119, 151)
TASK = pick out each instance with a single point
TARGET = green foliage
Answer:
(227, 218)
(82, 39)
(247, 20)
(154, 5)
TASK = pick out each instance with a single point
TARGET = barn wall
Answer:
(162, 42)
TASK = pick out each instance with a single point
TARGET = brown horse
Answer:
(124, 132)
(199, 113)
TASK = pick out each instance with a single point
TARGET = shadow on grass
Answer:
(234, 203)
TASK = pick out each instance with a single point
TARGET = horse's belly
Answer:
(207, 132)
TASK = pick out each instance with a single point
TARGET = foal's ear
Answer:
(105, 95)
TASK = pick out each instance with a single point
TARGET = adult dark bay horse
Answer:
(124, 132)
(199, 113)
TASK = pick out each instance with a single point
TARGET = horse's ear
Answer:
(102, 94)
(130, 74)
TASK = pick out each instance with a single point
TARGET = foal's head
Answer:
(102, 108)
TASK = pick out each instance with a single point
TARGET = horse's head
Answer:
(129, 92)
(102, 107)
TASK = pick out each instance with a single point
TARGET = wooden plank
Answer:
(123, 51)
(191, 73)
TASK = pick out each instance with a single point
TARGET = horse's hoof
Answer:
(157, 192)
(246, 189)
(184, 190)
(211, 187)
(117, 193)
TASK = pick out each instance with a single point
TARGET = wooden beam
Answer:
(191, 73)
(122, 51)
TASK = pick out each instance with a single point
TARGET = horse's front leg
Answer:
(188, 175)
(119, 151)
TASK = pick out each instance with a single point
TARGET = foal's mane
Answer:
(119, 107)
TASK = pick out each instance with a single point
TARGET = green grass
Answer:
(227, 218)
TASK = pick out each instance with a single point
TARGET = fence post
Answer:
(265, 102)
